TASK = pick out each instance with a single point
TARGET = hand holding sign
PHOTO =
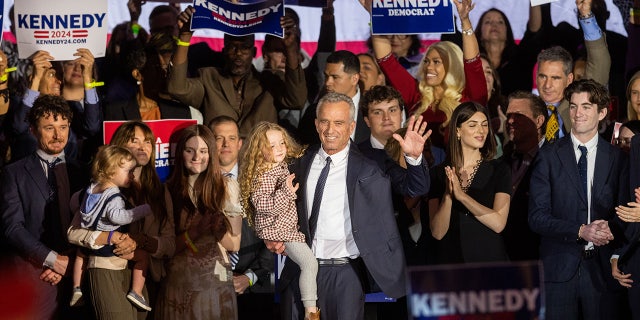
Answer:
(86, 60)
(41, 61)
(464, 7)
(184, 21)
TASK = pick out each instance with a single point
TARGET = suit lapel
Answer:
(302, 173)
(603, 166)
(567, 157)
(36, 172)
(353, 172)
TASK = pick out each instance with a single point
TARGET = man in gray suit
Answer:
(353, 230)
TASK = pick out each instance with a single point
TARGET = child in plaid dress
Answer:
(268, 197)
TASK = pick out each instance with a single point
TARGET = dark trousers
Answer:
(257, 306)
(580, 297)
(340, 295)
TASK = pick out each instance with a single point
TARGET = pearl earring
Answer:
(138, 82)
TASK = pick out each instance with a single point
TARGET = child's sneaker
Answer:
(138, 301)
(76, 298)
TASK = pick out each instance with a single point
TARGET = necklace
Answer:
(471, 176)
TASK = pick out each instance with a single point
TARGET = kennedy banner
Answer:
(61, 27)
(162, 130)
(412, 16)
(476, 291)
(239, 19)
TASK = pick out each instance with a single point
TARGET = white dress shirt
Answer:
(333, 237)
(592, 147)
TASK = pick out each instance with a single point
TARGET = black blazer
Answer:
(129, 110)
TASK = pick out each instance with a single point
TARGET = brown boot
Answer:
(313, 316)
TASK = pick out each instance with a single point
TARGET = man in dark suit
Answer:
(575, 185)
(526, 116)
(341, 75)
(353, 230)
(34, 207)
(253, 264)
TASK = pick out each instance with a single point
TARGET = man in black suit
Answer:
(351, 228)
(526, 116)
(575, 185)
(253, 264)
(341, 75)
(34, 207)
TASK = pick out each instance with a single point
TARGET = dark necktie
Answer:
(317, 199)
(553, 126)
(582, 168)
(51, 178)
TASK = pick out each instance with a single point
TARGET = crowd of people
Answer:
(352, 165)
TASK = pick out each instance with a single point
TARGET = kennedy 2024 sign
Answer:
(62, 28)
(476, 291)
(412, 16)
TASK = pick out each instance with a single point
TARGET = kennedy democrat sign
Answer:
(61, 27)
(476, 291)
(412, 16)
(239, 18)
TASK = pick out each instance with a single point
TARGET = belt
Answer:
(589, 253)
(333, 261)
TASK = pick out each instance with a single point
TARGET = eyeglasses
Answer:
(397, 36)
(242, 49)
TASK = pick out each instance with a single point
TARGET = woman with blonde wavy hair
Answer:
(447, 75)
(633, 97)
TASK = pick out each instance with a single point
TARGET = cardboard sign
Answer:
(412, 16)
(162, 130)
(476, 291)
(239, 19)
(62, 28)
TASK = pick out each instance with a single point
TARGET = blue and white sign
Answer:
(412, 16)
(61, 29)
(476, 291)
(239, 19)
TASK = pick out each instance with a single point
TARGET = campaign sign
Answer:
(1, 17)
(476, 291)
(239, 19)
(162, 130)
(62, 28)
(412, 16)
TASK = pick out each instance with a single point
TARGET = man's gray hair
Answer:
(334, 97)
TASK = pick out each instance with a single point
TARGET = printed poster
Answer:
(239, 19)
(61, 27)
(412, 16)
(162, 129)
(476, 291)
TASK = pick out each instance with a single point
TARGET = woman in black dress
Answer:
(470, 192)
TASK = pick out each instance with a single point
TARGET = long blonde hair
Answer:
(631, 113)
(453, 82)
(254, 164)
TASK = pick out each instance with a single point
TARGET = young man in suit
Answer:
(34, 207)
(575, 185)
(345, 211)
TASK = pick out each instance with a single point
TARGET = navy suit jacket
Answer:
(558, 206)
(372, 222)
(23, 196)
